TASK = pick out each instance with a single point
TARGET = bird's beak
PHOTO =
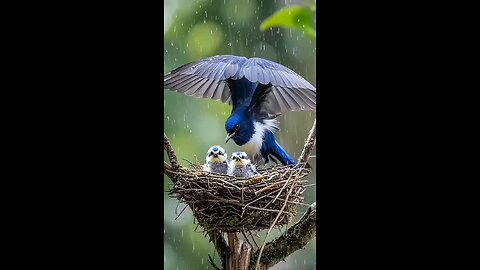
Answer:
(230, 136)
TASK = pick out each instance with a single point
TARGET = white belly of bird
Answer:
(252, 147)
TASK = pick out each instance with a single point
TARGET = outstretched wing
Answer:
(290, 92)
(206, 78)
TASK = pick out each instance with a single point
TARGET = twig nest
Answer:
(230, 204)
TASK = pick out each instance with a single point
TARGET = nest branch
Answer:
(170, 152)
(295, 238)
(221, 246)
(310, 142)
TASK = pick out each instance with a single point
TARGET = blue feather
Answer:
(271, 147)
(258, 90)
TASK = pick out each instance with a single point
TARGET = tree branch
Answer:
(295, 238)
(170, 152)
(220, 245)
(212, 263)
(310, 142)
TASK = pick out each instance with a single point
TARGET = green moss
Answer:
(232, 221)
(266, 257)
(255, 215)
(291, 208)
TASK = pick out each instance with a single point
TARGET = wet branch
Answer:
(309, 143)
(170, 152)
(295, 238)
(220, 245)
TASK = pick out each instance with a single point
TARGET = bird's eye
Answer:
(237, 126)
(220, 153)
(211, 153)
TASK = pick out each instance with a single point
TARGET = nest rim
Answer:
(230, 204)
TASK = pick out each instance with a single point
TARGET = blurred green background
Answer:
(199, 29)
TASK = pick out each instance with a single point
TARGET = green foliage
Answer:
(295, 17)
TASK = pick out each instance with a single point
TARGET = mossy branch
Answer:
(295, 238)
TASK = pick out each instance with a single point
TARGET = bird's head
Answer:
(216, 154)
(240, 159)
(239, 128)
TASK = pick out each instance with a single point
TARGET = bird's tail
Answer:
(282, 155)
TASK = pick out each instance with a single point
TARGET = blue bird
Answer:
(259, 91)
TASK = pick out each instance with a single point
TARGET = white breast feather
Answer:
(272, 125)
(252, 147)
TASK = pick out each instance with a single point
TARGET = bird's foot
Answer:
(297, 167)
(300, 167)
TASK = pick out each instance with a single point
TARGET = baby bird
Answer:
(240, 166)
(216, 160)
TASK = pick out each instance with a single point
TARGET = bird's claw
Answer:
(297, 167)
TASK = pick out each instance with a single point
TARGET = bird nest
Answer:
(230, 204)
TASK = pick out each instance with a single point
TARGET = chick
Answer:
(240, 165)
(216, 160)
